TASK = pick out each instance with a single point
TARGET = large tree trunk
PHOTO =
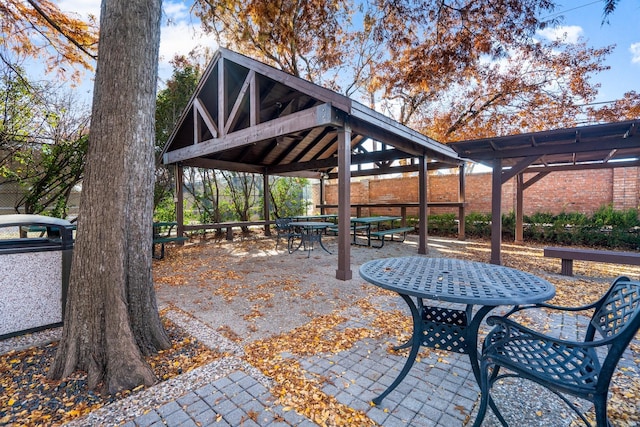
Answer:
(112, 318)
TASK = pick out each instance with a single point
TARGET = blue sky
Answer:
(581, 19)
(584, 18)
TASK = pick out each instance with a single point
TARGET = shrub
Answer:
(605, 228)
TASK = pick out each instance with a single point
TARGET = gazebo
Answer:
(611, 145)
(247, 116)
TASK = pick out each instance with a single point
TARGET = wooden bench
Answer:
(381, 233)
(226, 226)
(162, 235)
(569, 254)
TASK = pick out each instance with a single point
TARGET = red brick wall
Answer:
(572, 191)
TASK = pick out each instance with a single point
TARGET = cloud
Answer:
(180, 32)
(84, 8)
(635, 53)
(182, 37)
(569, 34)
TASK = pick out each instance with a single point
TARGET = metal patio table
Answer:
(310, 232)
(456, 281)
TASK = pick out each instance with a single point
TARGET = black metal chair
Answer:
(579, 368)
(286, 230)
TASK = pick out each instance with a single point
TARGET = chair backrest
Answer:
(617, 316)
(282, 223)
(617, 308)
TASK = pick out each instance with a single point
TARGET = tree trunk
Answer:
(112, 318)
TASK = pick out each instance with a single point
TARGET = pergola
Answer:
(246, 116)
(612, 145)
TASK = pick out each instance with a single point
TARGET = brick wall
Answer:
(572, 191)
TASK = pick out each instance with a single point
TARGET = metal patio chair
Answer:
(285, 229)
(578, 368)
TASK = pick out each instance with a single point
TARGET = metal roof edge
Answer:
(369, 115)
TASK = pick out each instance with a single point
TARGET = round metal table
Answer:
(456, 281)
(310, 232)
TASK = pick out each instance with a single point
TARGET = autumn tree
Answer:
(305, 38)
(452, 69)
(39, 29)
(462, 70)
(111, 317)
(43, 133)
(627, 108)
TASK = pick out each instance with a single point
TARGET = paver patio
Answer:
(291, 291)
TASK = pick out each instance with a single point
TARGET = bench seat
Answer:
(568, 255)
(382, 233)
(334, 228)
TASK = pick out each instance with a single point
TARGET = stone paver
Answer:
(440, 390)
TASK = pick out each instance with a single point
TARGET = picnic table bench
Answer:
(162, 235)
(569, 254)
(380, 234)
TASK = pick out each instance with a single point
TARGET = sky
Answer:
(181, 33)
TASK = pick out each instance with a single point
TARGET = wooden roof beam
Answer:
(583, 166)
(234, 115)
(534, 179)
(583, 147)
(322, 115)
(610, 156)
(201, 112)
(204, 163)
(517, 168)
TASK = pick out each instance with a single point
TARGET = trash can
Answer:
(35, 262)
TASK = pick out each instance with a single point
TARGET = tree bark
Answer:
(111, 319)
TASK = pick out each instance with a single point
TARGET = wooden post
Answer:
(321, 195)
(496, 213)
(423, 197)
(266, 205)
(179, 200)
(344, 203)
(519, 232)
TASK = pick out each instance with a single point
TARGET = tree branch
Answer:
(73, 41)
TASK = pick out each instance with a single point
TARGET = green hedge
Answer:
(605, 228)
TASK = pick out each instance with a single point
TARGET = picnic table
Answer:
(362, 226)
(467, 283)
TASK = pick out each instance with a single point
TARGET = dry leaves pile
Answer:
(28, 398)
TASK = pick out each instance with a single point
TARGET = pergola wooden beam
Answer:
(610, 145)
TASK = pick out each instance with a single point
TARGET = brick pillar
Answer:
(626, 188)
